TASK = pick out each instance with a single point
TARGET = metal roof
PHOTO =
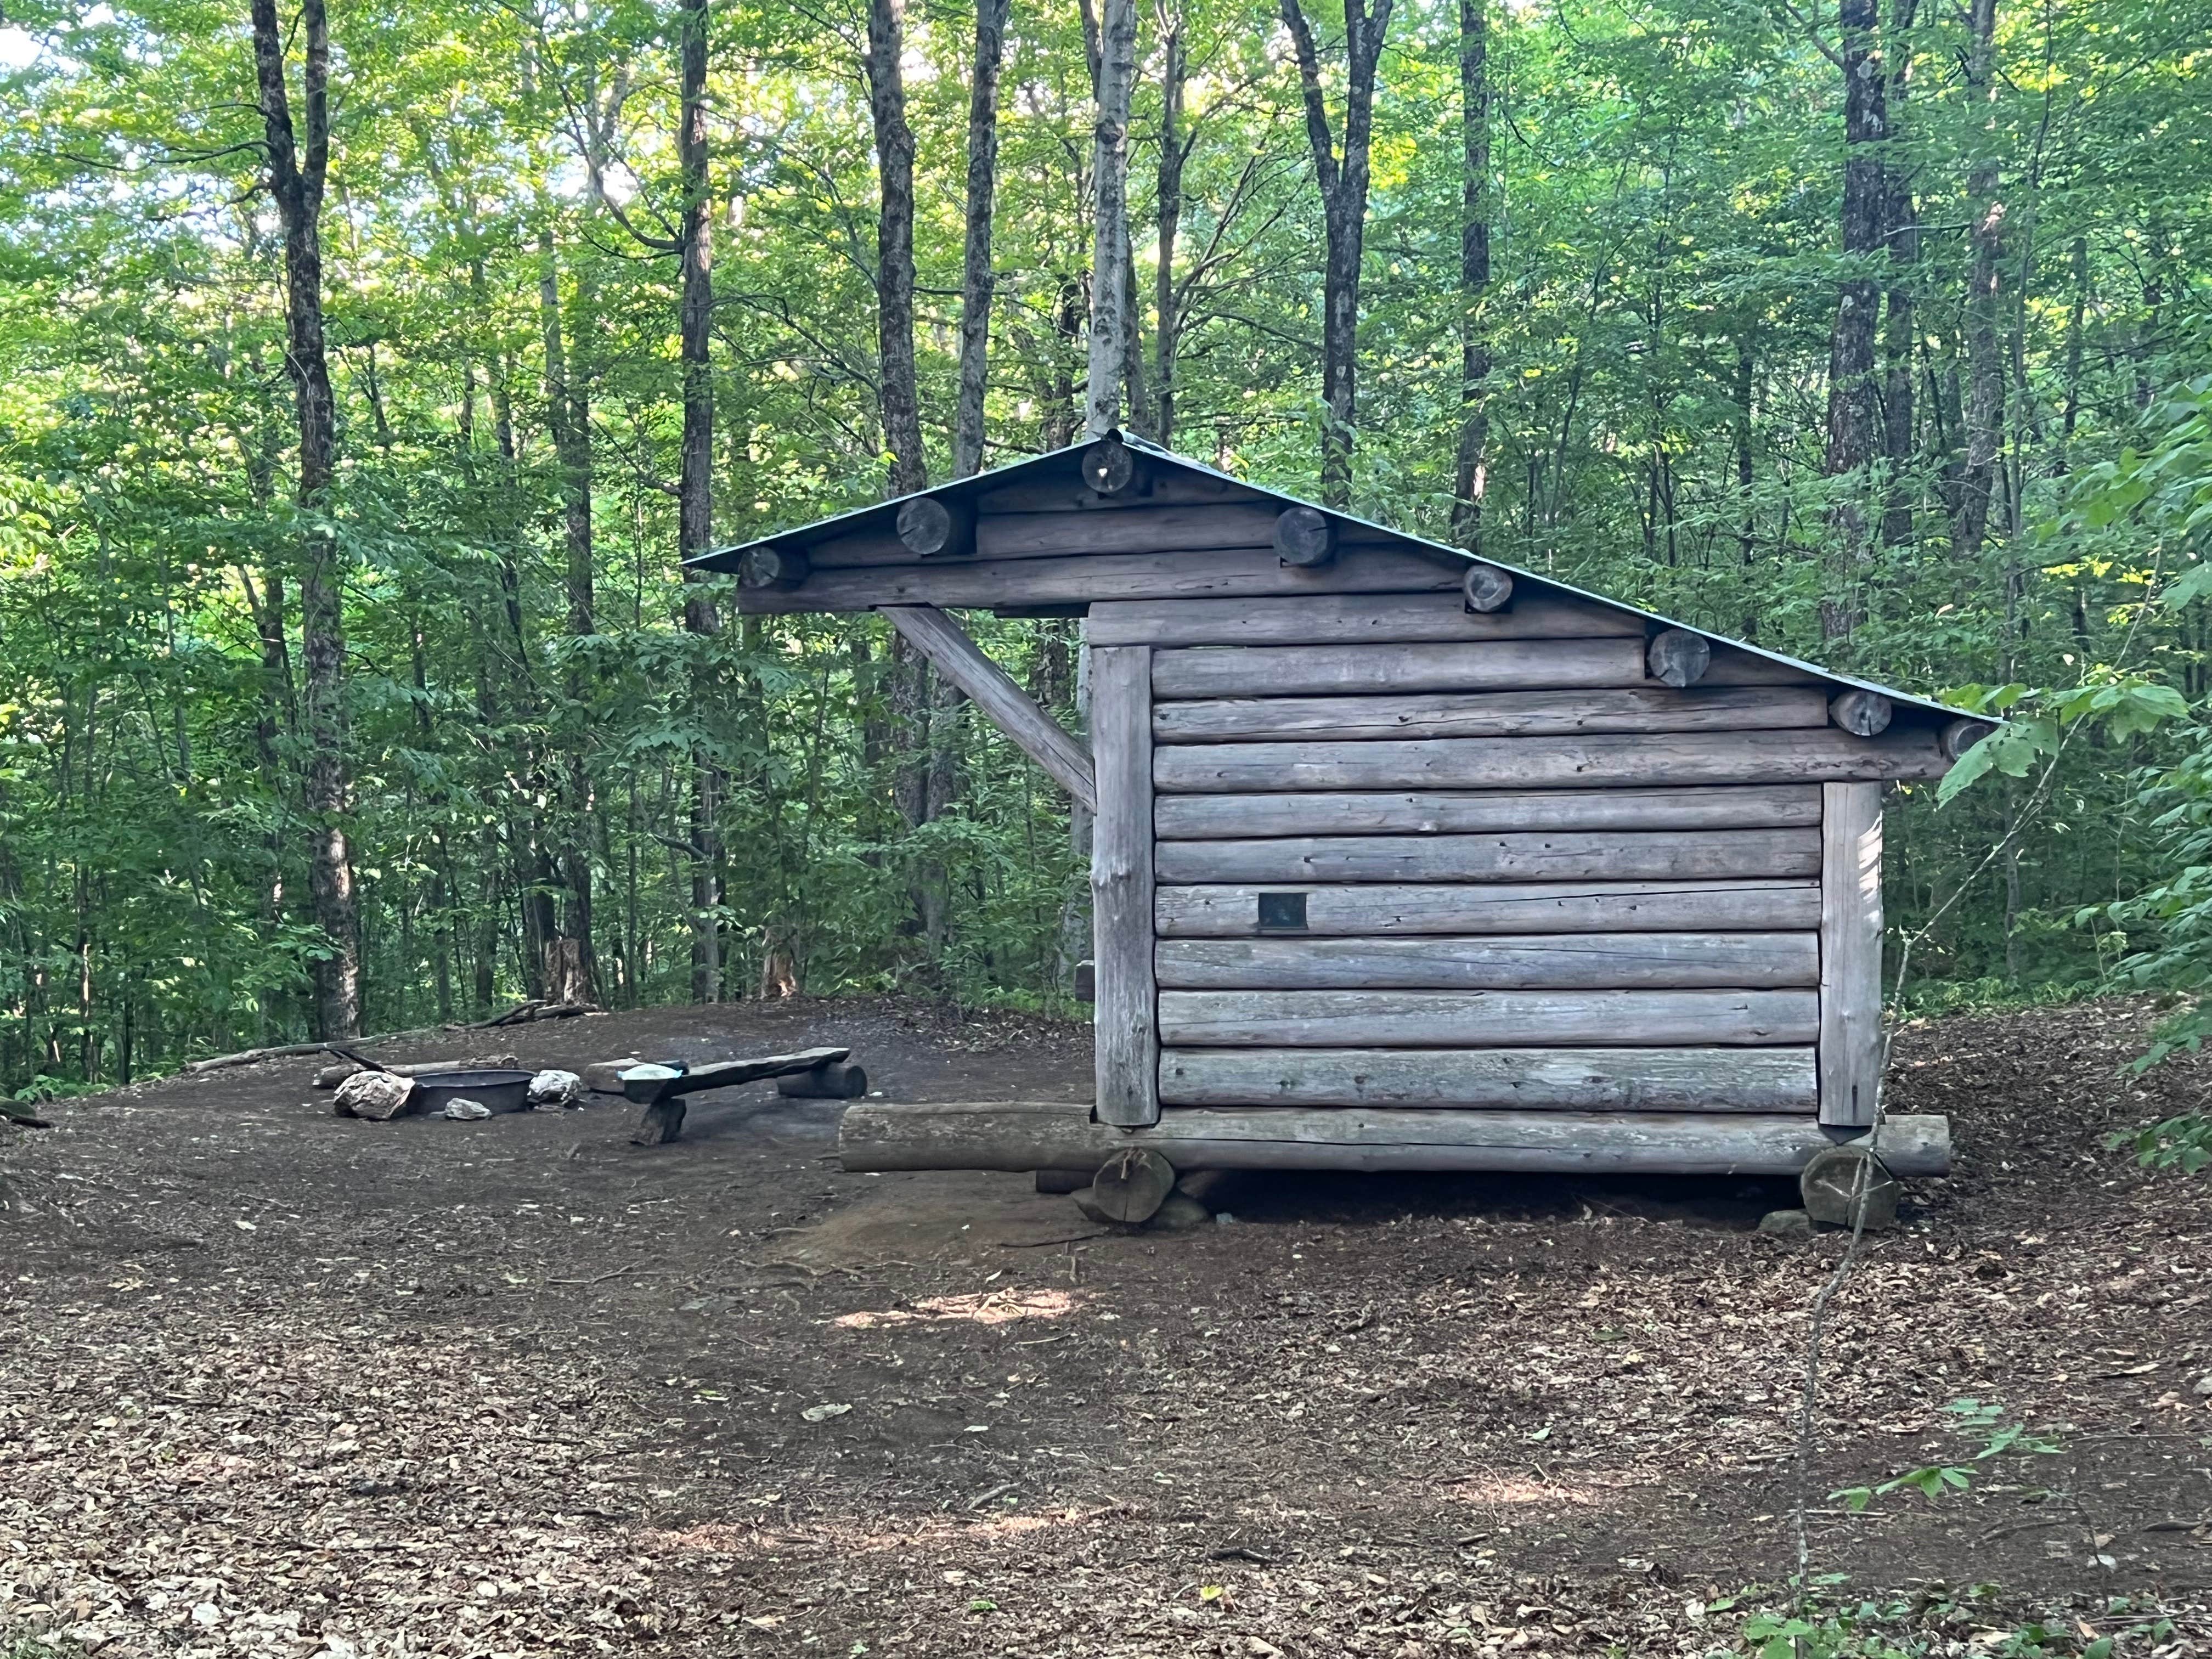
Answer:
(883, 513)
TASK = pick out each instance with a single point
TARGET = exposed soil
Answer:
(278, 1383)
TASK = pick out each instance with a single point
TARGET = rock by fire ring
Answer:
(377, 1095)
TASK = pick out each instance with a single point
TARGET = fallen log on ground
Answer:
(330, 1076)
(525, 1012)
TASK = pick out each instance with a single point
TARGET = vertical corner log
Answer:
(1487, 588)
(934, 529)
(1108, 467)
(1960, 736)
(1851, 951)
(1124, 1016)
(1678, 658)
(1305, 537)
(1861, 714)
(773, 566)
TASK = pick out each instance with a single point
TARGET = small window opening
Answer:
(1282, 913)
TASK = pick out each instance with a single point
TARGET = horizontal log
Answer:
(1367, 619)
(1680, 906)
(1154, 487)
(1214, 817)
(1271, 671)
(1827, 755)
(1477, 1020)
(985, 582)
(1498, 962)
(1732, 666)
(1574, 855)
(1486, 715)
(1022, 1136)
(1529, 1079)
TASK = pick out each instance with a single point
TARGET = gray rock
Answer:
(552, 1088)
(2202, 1385)
(1786, 1224)
(1830, 1185)
(378, 1096)
(1087, 1201)
(1179, 1212)
(466, 1111)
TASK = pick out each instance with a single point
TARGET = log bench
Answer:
(809, 1073)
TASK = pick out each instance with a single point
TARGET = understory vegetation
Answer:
(380, 700)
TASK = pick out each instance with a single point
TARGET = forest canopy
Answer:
(367, 374)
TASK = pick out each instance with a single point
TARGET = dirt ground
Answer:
(282, 1384)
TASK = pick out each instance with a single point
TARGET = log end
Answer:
(1678, 658)
(773, 567)
(1108, 467)
(1304, 536)
(1487, 588)
(931, 528)
(1861, 714)
(1962, 735)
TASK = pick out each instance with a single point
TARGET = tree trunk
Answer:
(1343, 185)
(696, 482)
(900, 390)
(2073, 323)
(1175, 150)
(1468, 478)
(978, 281)
(1903, 244)
(297, 169)
(1986, 373)
(1110, 181)
(1851, 407)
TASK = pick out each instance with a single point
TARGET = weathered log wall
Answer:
(1412, 855)
(1553, 886)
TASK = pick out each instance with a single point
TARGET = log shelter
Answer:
(1403, 860)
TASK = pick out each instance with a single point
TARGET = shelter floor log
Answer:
(1024, 1136)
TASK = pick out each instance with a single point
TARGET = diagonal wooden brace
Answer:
(960, 660)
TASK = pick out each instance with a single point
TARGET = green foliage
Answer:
(1665, 278)
(1826, 1626)
(2183, 1143)
(1982, 1424)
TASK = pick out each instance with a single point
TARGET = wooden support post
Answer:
(1128, 1047)
(1851, 951)
(1039, 736)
